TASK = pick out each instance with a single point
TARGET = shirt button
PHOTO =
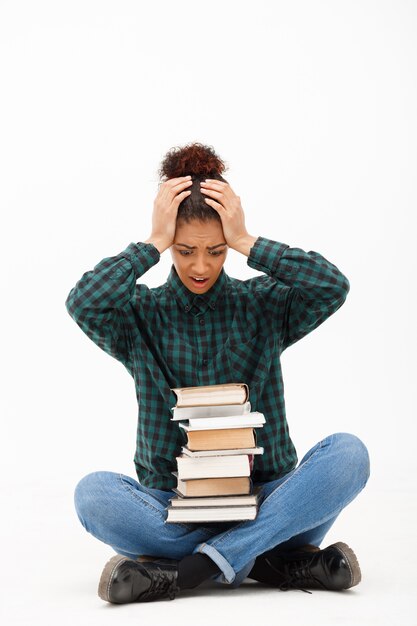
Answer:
(187, 307)
(205, 361)
(201, 321)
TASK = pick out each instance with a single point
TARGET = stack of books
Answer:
(214, 469)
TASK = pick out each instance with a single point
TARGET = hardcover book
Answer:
(206, 395)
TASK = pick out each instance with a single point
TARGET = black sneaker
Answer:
(124, 580)
(334, 568)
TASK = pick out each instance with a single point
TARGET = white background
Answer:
(312, 105)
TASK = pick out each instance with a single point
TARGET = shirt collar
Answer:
(188, 299)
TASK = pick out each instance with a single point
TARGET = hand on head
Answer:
(221, 198)
(170, 195)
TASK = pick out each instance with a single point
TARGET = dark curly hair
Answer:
(200, 162)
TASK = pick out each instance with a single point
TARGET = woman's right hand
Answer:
(165, 208)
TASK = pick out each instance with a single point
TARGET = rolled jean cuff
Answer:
(240, 576)
(229, 573)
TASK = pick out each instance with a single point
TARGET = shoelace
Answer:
(162, 582)
(292, 581)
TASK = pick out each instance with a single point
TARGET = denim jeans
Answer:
(294, 510)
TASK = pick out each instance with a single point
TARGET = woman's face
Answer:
(199, 251)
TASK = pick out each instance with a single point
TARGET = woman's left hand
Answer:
(227, 204)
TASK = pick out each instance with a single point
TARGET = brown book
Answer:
(238, 485)
(204, 502)
(207, 395)
(221, 439)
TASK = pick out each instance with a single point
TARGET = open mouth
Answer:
(199, 282)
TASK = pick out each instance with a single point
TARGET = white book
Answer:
(213, 467)
(211, 514)
(221, 410)
(255, 418)
(199, 453)
(186, 427)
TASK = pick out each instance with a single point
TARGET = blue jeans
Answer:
(294, 510)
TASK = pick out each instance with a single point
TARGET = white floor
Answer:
(51, 568)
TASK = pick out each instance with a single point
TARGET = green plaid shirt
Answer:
(167, 336)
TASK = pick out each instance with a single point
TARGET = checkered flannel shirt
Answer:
(168, 336)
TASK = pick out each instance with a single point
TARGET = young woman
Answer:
(204, 327)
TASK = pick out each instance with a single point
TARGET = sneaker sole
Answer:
(351, 560)
(107, 575)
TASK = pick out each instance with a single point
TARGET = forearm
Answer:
(244, 245)
(97, 300)
(160, 245)
(308, 288)
(112, 281)
(312, 275)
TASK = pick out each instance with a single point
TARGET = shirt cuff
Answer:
(265, 255)
(142, 256)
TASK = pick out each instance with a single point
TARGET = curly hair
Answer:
(200, 162)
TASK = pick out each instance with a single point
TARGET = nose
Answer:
(199, 267)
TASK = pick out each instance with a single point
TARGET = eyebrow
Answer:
(208, 247)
